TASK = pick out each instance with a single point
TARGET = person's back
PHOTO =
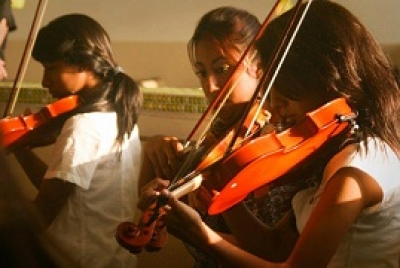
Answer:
(89, 184)
(107, 179)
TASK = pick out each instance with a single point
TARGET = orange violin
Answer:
(152, 235)
(15, 128)
(266, 158)
(150, 232)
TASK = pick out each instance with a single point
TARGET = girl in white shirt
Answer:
(351, 217)
(90, 183)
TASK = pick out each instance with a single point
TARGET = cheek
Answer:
(207, 92)
(74, 82)
(244, 90)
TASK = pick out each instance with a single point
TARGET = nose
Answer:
(210, 87)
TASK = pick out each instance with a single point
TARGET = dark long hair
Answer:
(334, 55)
(231, 27)
(80, 41)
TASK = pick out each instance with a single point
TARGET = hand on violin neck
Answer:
(165, 155)
(183, 221)
(150, 192)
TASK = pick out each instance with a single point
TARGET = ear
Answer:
(254, 69)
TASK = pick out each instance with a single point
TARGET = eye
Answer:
(200, 73)
(225, 68)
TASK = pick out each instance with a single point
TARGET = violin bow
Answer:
(224, 91)
(41, 6)
(182, 176)
(275, 63)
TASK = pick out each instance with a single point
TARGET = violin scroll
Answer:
(151, 233)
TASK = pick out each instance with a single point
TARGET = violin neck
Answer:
(188, 186)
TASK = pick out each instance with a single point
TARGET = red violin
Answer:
(15, 128)
(150, 232)
(238, 157)
(268, 157)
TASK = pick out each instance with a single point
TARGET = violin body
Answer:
(239, 158)
(218, 148)
(150, 233)
(13, 129)
(268, 157)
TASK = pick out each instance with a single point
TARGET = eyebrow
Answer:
(198, 63)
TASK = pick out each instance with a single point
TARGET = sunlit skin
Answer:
(347, 194)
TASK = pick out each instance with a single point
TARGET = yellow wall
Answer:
(165, 60)
(141, 60)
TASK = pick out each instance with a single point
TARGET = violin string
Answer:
(222, 103)
(264, 79)
(281, 60)
(224, 89)
(41, 7)
(178, 180)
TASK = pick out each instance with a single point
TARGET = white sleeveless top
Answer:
(374, 239)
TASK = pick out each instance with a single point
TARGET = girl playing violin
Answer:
(89, 185)
(219, 40)
(350, 218)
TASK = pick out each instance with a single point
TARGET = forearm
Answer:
(229, 255)
(33, 166)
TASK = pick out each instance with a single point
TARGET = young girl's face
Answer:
(287, 111)
(213, 67)
(63, 80)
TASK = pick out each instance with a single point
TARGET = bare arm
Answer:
(51, 197)
(346, 195)
(33, 166)
(52, 193)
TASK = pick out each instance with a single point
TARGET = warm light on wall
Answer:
(17, 4)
